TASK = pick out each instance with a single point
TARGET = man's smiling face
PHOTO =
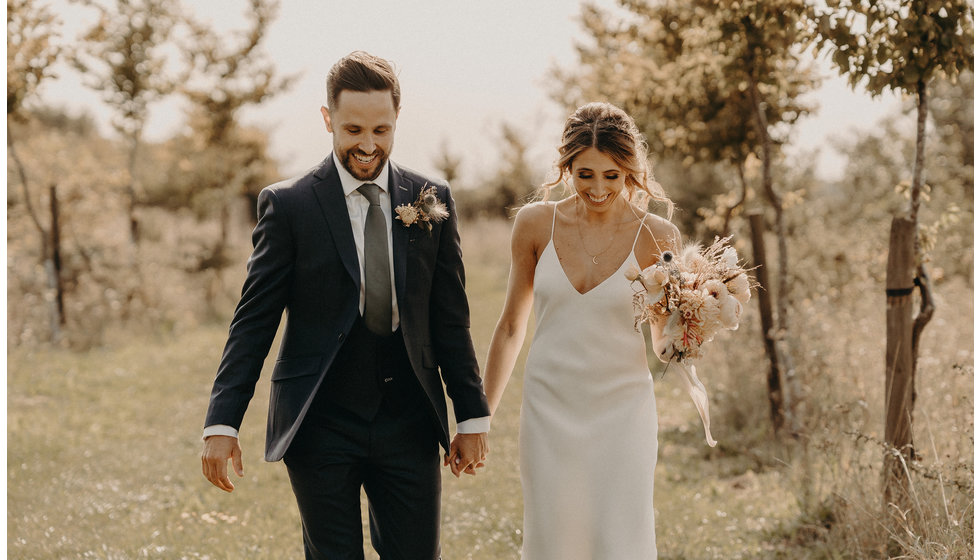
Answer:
(363, 128)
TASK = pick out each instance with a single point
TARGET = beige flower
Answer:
(407, 214)
(710, 315)
(632, 272)
(740, 288)
(692, 305)
(729, 312)
(716, 289)
(653, 278)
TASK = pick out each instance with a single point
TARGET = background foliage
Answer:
(134, 346)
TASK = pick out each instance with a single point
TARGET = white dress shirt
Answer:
(357, 208)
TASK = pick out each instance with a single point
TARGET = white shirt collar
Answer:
(351, 183)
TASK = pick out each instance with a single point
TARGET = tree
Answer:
(708, 81)
(448, 162)
(900, 46)
(123, 55)
(31, 55)
(514, 181)
(225, 80)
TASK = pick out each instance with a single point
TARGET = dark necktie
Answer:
(377, 273)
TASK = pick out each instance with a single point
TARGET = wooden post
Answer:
(899, 362)
(776, 411)
(55, 282)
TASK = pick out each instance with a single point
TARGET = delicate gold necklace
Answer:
(581, 239)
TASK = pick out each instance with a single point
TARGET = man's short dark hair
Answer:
(361, 71)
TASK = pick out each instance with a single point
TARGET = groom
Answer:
(375, 312)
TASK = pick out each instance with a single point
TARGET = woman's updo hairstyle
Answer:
(610, 130)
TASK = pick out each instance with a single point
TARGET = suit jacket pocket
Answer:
(293, 380)
(289, 368)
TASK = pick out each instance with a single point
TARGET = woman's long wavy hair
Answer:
(610, 130)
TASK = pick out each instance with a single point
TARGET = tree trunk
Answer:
(131, 190)
(726, 227)
(774, 380)
(28, 203)
(793, 393)
(927, 304)
(56, 320)
(55, 276)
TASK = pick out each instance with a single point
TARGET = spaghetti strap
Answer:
(554, 217)
(635, 238)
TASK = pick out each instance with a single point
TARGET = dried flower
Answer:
(715, 288)
(729, 312)
(425, 211)
(407, 214)
(729, 257)
(653, 278)
(632, 272)
(740, 287)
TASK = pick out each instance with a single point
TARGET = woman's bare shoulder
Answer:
(535, 211)
(656, 236)
(535, 216)
(661, 229)
(533, 222)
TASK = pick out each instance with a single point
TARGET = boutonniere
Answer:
(425, 211)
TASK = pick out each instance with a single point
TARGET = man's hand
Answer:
(467, 452)
(214, 460)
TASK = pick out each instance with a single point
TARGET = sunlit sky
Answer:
(465, 67)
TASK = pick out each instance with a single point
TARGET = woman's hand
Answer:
(663, 349)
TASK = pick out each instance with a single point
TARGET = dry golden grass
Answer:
(103, 447)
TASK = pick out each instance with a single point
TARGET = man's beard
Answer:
(354, 167)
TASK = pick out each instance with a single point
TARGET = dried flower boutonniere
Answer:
(425, 211)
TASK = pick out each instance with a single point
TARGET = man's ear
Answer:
(326, 118)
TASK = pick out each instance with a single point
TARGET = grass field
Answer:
(102, 457)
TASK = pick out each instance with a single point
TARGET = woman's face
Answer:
(597, 180)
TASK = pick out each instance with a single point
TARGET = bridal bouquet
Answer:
(698, 292)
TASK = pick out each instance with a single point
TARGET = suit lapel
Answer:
(333, 204)
(401, 191)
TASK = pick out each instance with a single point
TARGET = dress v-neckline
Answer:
(554, 250)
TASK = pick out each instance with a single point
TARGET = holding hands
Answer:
(467, 452)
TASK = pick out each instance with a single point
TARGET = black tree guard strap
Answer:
(899, 292)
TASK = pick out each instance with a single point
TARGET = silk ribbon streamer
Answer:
(700, 397)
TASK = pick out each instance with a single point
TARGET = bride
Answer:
(588, 431)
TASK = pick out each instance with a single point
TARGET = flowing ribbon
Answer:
(700, 397)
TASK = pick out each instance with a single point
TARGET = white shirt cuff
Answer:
(220, 430)
(474, 426)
